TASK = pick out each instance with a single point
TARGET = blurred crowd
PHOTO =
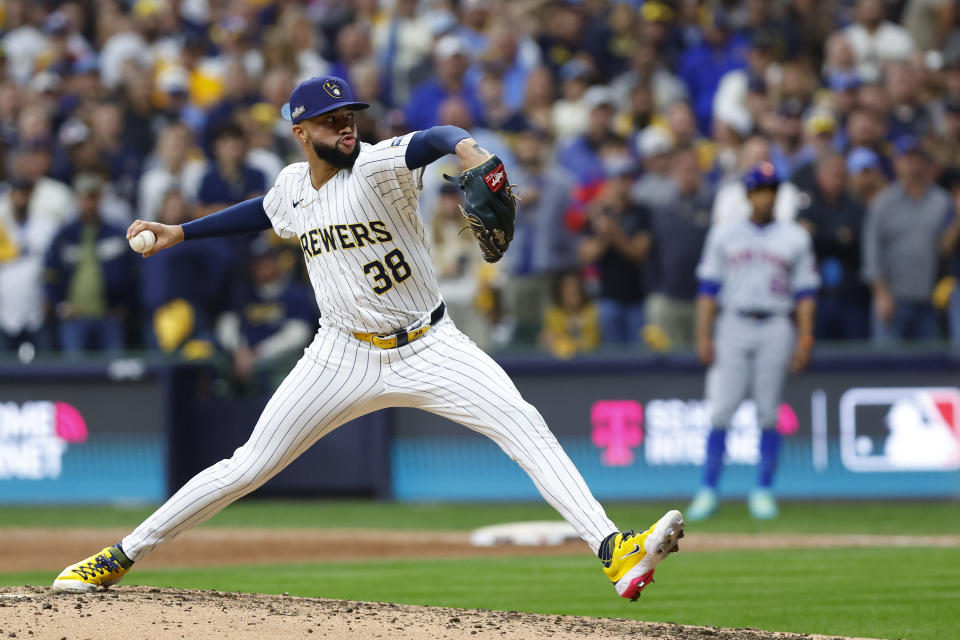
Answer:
(626, 123)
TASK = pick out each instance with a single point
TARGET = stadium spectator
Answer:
(867, 128)
(835, 222)
(499, 116)
(647, 68)
(259, 123)
(663, 27)
(819, 134)
(271, 316)
(120, 161)
(761, 17)
(929, 21)
(292, 44)
(24, 237)
(353, 47)
(139, 114)
(609, 37)
(702, 66)
(617, 242)
(237, 97)
(403, 43)
(175, 165)
(731, 126)
(581, 155)
(475, 21)
(637, 116)
(841, 99)
(876, 41)
(945, 148)
(511, 58)
(787, 152)
(543, 243)
(761, 67)
(90, 276)
(839, 57)
(682, 123)
(570, 322)
(678, 228)
(900, 256)
(561, 37)
(655, 147)
(539, 98)
(907, 114)
(50, 200)
(124, 45)
(570, 112)
(865, 171)
(451, 61)
(180, 308)
(229, 179)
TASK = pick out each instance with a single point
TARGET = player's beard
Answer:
(332, 155)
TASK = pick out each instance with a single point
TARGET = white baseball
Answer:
(143, 241)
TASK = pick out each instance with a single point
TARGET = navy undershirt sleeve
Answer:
(432, 144)
(248, 216)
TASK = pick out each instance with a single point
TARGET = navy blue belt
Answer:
(756, 315)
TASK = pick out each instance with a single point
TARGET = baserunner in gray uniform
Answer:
(760, 276)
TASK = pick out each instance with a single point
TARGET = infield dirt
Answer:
(151, 613)
(146, 612)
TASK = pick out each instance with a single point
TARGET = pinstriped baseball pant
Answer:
(340, 378)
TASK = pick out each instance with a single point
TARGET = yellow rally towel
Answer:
(173, 323)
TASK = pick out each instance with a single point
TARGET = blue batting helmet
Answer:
(761, 176)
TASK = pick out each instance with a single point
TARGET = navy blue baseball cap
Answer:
(908, 144)
(319, 95)
(761, 176)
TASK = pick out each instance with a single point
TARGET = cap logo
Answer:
(333, 89)
(296, 113)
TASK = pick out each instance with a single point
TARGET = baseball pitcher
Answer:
(385, 338)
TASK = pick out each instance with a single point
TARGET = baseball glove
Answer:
(490, 206)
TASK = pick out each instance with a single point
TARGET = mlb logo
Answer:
(900, 429)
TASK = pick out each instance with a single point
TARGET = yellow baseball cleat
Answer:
(100, 570)
(629, 558)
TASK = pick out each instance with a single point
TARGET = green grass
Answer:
(909, 593)
(875, 592)
(801, 517)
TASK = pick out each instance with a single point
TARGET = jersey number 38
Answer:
(395, 264)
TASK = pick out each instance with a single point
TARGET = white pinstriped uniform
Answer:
(340, 378)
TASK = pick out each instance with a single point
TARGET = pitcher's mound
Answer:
(147, 612)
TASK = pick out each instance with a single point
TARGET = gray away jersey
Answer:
(759, 268)
(362, 240)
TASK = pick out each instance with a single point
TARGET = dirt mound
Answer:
(151, 613)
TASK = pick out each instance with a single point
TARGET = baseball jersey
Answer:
(365, 249)
(759, 268)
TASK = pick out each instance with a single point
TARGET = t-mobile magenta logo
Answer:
(34, 437)
(617, 429)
